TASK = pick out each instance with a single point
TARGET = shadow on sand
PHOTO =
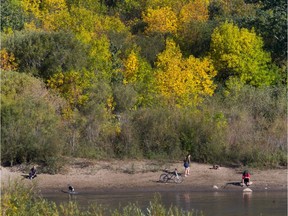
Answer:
(233, 183)
(27, 176)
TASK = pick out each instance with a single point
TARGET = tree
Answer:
(138, 73)
(73, 86)
(272, 13)
(183, 81)
(232, 10)
(92, 5)
(43, 54)
(239, 52)
(45, 13)
(12, 15)
(194, 31)
(194, 11)
(31, 126)
(162, 20)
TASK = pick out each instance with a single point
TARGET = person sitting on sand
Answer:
(71, 188)
(32, 173)
(245, 178)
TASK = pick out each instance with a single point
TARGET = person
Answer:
(187, 161)
(245, 178)
(71, 188)
(32, 173)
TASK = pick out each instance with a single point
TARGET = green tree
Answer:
(12, 15)
(272, 13)
(31, 126)
(232, 10)
(43, 54)
(239, 52)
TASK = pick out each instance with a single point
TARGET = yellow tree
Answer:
(49, 12)
(183, 81)
(162, 20)
(72, 86)
(138, 73)
(175, 5)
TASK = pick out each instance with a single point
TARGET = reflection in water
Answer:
(247, 198)
(187, 200)
(246, 202)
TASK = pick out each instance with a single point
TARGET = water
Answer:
(234, 203)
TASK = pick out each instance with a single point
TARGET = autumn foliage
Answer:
(143, 79)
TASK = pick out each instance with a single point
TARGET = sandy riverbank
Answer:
(130, 175)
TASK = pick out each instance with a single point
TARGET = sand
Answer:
(130, 175)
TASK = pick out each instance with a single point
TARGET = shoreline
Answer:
(161, 190)
(142, 176)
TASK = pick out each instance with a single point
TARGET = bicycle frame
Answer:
(171, 176)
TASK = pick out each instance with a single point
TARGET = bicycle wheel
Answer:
(163, 178)
(178, 179)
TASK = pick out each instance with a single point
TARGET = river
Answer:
(234, 203)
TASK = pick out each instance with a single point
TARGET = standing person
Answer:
(187, 165)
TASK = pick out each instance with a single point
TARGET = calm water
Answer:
(210, 203)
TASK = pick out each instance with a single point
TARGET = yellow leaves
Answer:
(49, 12)
(202, 75)
(72, 86)
(110, 103)
(171, 57)
(181, 80)
(54, 6)
(174, 17)
(131, 65)
(162, 20)
(8, 61)
(196, 10)
(32, 6)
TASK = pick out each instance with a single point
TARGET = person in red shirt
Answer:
(245, 178)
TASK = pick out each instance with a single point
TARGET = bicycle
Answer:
(171, 176)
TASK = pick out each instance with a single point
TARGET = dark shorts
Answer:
(246, 180)
(186, 165)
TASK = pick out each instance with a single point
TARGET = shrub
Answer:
(31, 127)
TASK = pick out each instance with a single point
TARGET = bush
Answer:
(256, 124)
(31, 127)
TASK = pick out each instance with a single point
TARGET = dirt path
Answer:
(143, 175)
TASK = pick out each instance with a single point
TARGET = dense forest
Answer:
(144, 79)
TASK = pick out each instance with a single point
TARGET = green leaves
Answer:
(43, 54)
(239, 52)
(31, 127)
(12, 15)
